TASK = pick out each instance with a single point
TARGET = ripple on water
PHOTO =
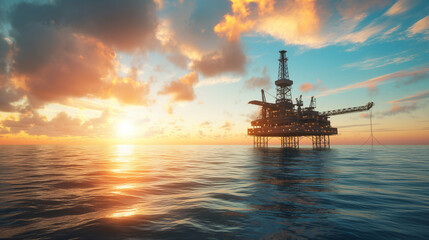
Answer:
(232, 192)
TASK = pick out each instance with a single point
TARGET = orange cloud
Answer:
(305, 87)
(233, 25)
(182, 89)
(295, 23)
(421, 26)
(309, 23)
(399, 7)
(86, 70)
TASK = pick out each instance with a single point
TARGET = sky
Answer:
(183, 72)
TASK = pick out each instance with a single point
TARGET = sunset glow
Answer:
(125, 129)
(183, 72)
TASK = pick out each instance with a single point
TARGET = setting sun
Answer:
(125, 128)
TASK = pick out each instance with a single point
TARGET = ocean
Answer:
(213, 192)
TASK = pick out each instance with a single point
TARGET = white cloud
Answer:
(218, 80)
(381, 61)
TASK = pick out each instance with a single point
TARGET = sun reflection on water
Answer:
(125, 186)
(122, 164)
(124, 213)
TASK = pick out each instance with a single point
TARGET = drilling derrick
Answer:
(284, 84)
(281, 119)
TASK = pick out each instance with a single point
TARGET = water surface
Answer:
(204, 192)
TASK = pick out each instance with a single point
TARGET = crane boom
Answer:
(348, 110)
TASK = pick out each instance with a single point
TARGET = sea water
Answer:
(213, 192)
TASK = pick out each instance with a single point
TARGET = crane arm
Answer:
(348, 110)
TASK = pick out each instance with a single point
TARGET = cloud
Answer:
(309, 23)
(205, 124)
(373, 82)
(294, 22)
(188, 39)
(305, 87)
(4, 52)
(362, 35)
(218, 80)
(182, 89)
(420, 26)
(255, 114)
(358, 9)
(8, 98)
(259, 82)
(390, 31)
(397, 109)
(60, 125)
(125, 25)
(233, 25)
(178, 60)
(67, 49)
(412, 98)
(229, 59)
(406, 104)
(372, 63)
(226, 126)
(399, 7)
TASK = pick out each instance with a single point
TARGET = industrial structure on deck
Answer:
(289, 120)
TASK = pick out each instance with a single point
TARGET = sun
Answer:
(125, 128)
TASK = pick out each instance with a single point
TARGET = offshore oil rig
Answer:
(282, 119)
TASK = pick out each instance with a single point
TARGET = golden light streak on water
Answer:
(124, 213)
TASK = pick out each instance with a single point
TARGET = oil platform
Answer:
(291, 121)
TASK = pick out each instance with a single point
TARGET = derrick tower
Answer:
(283, 84)
(281, 119)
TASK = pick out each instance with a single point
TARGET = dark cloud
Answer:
(8, 94)
(182, 89)
(229, 59)
(4, 52)
(125, 24)
(259, 82)
(7, 98)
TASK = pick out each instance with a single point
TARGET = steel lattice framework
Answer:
(284, 84)
(291, 121)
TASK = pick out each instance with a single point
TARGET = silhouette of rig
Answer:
(282, 119)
